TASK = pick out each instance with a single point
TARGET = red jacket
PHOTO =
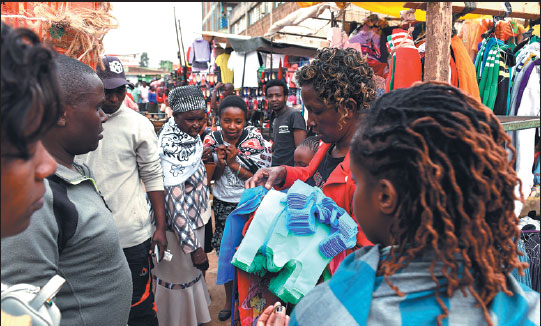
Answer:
(339, 187)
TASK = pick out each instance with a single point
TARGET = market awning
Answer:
(264, 45)
(222, 37)
(392, 9)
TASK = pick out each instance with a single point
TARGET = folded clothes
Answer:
(295, 235)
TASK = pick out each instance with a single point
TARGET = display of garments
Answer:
(200, 51)
(501, 103)
(465, 69)
(226, 74)
(295, 234)
(492, 66)
(267, 247)
(232, 235)
(355, 295)
(524, 140)
(249, 71)
(406, 64)
(340, 186)
(469, 35)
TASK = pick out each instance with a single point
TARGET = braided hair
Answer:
(445, 154)
(29, 89)
(312, 143)
(338, 75)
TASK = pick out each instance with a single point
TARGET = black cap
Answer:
(113, 76)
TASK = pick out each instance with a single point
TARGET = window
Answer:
(258, 12)
(239, 25)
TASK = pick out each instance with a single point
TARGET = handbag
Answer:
(35, 302)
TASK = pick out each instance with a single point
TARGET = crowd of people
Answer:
(91, 193)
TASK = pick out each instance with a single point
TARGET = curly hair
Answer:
(29, 89)
(338, 75)
(445, 154)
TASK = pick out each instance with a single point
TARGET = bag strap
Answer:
(48, 292)
(64, 211)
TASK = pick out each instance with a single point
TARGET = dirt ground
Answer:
(217, 293)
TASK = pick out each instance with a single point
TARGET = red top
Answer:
(339, 187)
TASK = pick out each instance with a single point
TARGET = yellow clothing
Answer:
(9, 320)
(227, 75)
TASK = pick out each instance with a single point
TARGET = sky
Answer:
(150, 27)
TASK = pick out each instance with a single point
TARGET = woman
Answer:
(336, 87)
(239, 152)
(182, 297)
(30, 107)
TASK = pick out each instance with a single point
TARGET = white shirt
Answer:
(236, 64)
(144, 93)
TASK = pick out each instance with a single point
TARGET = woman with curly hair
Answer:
(336, 87)
(435, 193)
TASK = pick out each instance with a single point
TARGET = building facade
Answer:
(244, 18)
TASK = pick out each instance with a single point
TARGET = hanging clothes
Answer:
(465, 69)
(200, 54)
(469, 34)
(501, 103)
(226, 74)
(405, 68)
(200, 51)
(236, 63)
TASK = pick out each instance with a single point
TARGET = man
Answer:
(289, 127)
(73, 234)
(227, 89)
(143, 96)
(125, 160)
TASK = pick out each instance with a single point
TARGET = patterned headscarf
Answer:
(186, 98)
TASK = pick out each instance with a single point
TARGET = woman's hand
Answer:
(207, 151)
(267, 177)
(231, 152)
(273, 316)
(220, 152)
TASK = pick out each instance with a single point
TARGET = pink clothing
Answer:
(131, 104)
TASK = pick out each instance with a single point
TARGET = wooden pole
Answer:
(438, 41)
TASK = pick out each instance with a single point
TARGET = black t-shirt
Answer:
(282, 134)
(325, 168)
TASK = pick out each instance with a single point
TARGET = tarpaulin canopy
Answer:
(386, 8)
(243, 43)
(264, 45)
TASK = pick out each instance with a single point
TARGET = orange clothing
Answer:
(469, 33)
(467, 80)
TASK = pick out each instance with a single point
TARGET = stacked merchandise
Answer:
(294, 235)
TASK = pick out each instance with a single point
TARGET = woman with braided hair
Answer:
(336, 87)
(434, 192)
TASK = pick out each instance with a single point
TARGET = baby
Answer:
(306, 151)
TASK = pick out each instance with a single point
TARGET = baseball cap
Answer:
(113, 76)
